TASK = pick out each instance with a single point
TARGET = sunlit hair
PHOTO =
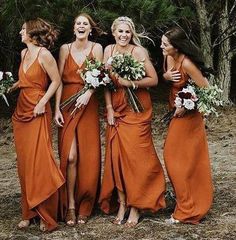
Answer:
(41, 33)
(96, 30)
(135, 36)
(179, 40)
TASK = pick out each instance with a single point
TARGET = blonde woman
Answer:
(133, 176)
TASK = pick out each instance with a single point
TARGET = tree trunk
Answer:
(205, 31)
(223, 77)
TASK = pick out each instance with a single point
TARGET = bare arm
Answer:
(49, 64)
(107, 94)
(194, 73)
(63, 54)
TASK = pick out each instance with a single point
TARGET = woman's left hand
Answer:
(179, 112)
(83, 99)
(39, 109)
(124, 82)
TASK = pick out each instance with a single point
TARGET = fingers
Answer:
(59, 121)
(111, 121)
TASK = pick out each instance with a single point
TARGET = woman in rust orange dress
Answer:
(132, 168)
(79, 137)
(40, 177)
(186, 151)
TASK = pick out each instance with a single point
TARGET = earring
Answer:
(90, 34)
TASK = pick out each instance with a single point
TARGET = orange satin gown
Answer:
(85, 126)
(187, 162)
(131, 162)
(40, 177)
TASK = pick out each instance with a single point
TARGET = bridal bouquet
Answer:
(132, 70)
(6, 81)
(95, 74)
(191, 97)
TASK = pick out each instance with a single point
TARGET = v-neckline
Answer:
(25, 72)
(79, 65)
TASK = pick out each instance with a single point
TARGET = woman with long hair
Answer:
(185, 150)
(39, 174)
(79, 139)
(133, 176)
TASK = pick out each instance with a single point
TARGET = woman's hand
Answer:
(124, 82)
(172, 75)
(13, 87)
(59, 120)
(83, 99)
(110, 115)
(39, 109)
(179, 112)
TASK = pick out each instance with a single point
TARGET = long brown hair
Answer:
(41, 32)
(179, 40)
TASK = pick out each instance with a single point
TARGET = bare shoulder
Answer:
(97, 46)
(65, 48)
(188, 65)
(107, 51)
(45, 56)
(140, 53)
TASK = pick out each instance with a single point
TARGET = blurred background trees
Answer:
(210, 23)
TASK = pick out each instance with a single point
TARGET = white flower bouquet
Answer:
(94, 75)
(192, 97)
(6, 81)
(129, 69)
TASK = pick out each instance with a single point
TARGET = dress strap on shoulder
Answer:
(112, 48)
(39, 52)
(132, 49)
(69, 47)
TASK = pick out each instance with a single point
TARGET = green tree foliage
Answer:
(152, 15)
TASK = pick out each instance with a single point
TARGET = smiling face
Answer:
(24, 36)
(82, 27)
(166, 47)
(122, 34)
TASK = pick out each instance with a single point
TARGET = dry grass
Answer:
(219, 224)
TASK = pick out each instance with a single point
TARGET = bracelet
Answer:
(108, 106)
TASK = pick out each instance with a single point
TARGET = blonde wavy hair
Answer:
(135, 36)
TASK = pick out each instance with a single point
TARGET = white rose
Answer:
(95, 72)
(88, 77)
(178, 102)
(188, 104)
(1, 75)
(95, 82)
(9, 74)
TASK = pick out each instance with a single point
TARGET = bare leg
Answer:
(71, 178)
(122, 209)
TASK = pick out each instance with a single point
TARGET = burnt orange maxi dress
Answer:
(85, 126)
(40, 177)
(187, 161)
(131, 162)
